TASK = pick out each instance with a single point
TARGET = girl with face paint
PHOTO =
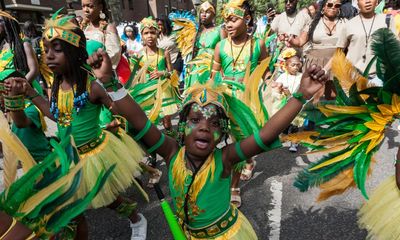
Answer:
(200, 173)
(207, 37)
(231, 57)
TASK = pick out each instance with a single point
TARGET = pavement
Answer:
(273, 206)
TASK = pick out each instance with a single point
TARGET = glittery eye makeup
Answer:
(207, 111)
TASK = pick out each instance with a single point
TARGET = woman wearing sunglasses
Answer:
(322, 37)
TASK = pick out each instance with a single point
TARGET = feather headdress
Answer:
(60, 27)
(205, 6)
(233, 8)
(148, 22)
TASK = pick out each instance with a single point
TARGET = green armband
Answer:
(113, 84)
(396, 161)
(14, 103)
(143, 131)
(300, 97)
(158, 144)
(259, 142)
(34, 96)
(239, 152)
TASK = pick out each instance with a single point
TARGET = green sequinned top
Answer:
(234, 59)
(209, 196)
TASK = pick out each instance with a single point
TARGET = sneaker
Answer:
(293, 147)
(139, 229)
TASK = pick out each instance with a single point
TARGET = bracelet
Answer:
(113, 84)
(239, 151)
(34, 96)
(158, 144)
(143, 131)
(300, 97)
(259, 142)
(2, 88)
(118, 95)
(396, 161)
(13, 223)
(14, 103)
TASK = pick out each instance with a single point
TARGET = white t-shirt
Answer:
(293, 24)
(291, 82)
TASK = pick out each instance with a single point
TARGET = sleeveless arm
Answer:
(32, 62)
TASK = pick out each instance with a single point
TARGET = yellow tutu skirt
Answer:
(125, 153)
(242, 229)
(170, 94)
(380, 215)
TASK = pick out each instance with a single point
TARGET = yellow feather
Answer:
(344, 71)
(153, 115)
(380, 119)
(375, 142)
(337, 185)
(10, 166)
(303, 136)
(15, 145)
(371, 135)
(395, 104)
(347, 109)
(336, 139)
(7, 15)
(335, 159)
(385, 109)
(374, 126)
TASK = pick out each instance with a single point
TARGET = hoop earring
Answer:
(102, 15)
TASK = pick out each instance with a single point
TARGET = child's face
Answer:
(149, 36)
(129, 34)
(235, 26)
(293, 65)
(206, 17)
(202, 130)
(55, 57)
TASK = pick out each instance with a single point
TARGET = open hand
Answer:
(312, 80)
(16, 86)
(156, 74)
(101, 65)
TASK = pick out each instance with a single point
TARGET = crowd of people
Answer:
(235, 88)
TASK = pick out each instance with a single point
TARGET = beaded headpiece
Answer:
(233, 8)
(148, 23)
(60, 27)
(207, 6)
(206, 94)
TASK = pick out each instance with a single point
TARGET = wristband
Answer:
(239, 152)
(396, 161)
(118, 95)
(14, 103)
(34, 96)
(300, 97)
(158, 144)
(113, 84)
(259, 142)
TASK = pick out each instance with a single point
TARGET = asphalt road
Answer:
(274, 207)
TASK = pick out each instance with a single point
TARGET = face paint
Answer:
(207, 111)
(189, 128)
(216, 135)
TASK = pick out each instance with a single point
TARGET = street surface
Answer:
(274, 207)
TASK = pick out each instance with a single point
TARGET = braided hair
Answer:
(316, 20)
(224, 121)
(12, 36)
(76, 58)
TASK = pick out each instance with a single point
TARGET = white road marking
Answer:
(274, 215)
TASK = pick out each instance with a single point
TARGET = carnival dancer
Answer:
(199, 173)
(206, 39)
(75, 104)
(40, 203)
(232, 56)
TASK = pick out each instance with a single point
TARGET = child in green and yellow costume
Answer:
(232, 57)
(76, 102)
(200, 173)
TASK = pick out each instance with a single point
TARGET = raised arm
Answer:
(26, 89)
(313, 79)
(121, 103)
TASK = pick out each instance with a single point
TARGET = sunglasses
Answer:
(331, 5)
